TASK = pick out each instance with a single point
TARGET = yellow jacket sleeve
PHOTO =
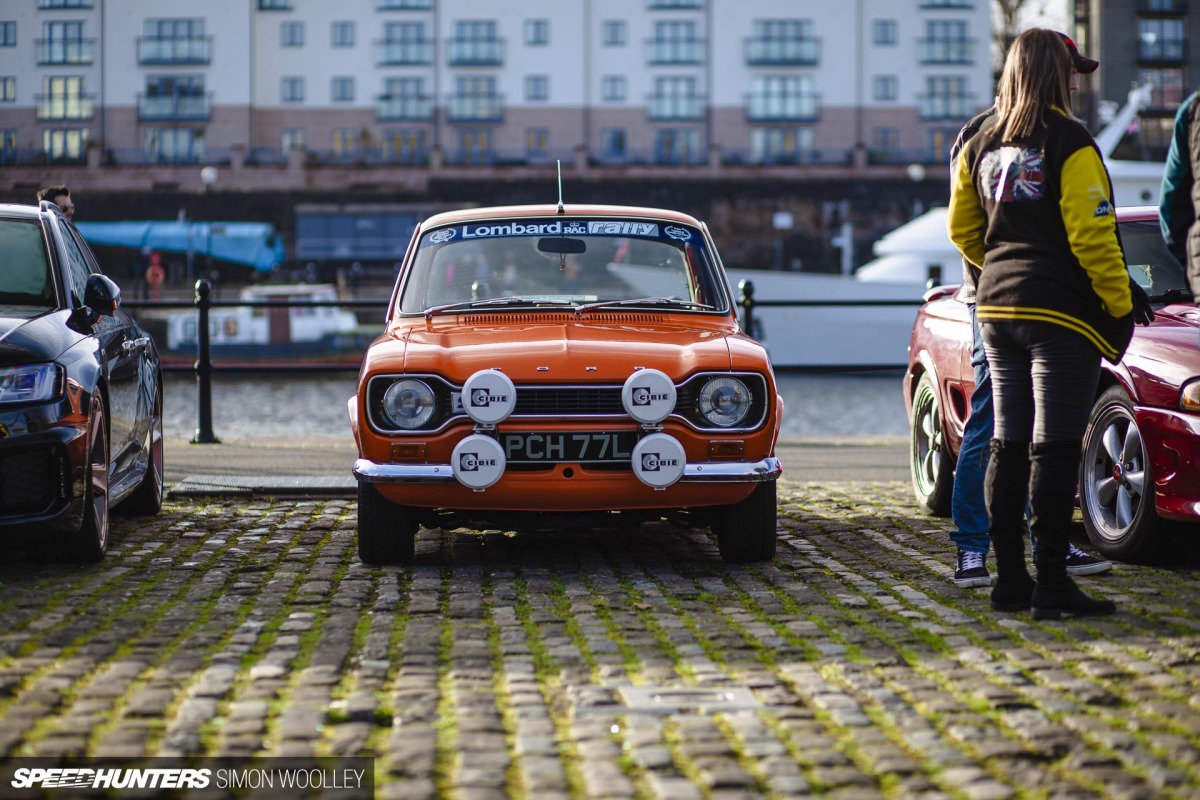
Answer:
(1091, 222)
(965, 220)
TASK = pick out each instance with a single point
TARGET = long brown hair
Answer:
(1036, 76)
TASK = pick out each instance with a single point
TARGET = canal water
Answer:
(314, 406)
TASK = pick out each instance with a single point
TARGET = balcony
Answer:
(51, 52)
(403, 5)
(475, 108)
(947, 106)
(964, 5)
(675, 107)
(946, 51)
(408, 109)
(174, 108)
(404, 54)
(56, 108)
(65, 3)
(155, 50)
(1163, 51)
(666, 51)
(800, 52)
(777, 107)
(274, 5)
(475, 52)
(667, 5)
(1164, 7)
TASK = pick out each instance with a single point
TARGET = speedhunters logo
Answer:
(653, 462)
(471, 462)
(642, 396)
(481, 399)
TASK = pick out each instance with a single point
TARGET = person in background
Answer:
(967, 505)
(1178, 202)
(1031, 204)
(61, 197)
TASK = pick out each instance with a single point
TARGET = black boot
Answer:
(1054, 479)
(1006, 490)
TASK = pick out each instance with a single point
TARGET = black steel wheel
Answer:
(1116, 485)
(746, 530)
(387, 533)
(932, 468)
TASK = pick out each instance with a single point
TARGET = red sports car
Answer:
(1141, 451)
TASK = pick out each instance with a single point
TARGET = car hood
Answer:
(565, 350)
(29, 334)
(1165, 352)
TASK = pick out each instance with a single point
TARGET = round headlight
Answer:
(1189, 397)
(724, 402)
(409, 404)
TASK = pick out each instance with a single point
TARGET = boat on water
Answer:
(257, 334)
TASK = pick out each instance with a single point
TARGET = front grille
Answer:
(568, 401)
(28, 481)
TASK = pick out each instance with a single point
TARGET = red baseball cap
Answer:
(1082, 63)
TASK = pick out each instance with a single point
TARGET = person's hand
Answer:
(1143, 312)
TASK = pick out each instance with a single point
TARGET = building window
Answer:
(613, 32)
(885, 140)
(291, 34)
(403, 5)
(174, 41)
(945, 42)
(291, 90)
(1160, 40)
(63, 43)
(174, 145)
(782, 97)
(292, 139)
(676, 43)
(342, 34)
(885, 31)
(475, 44)
(345, 142)
(1167, 91)
(64, 144)
(405, 98)
(886, 88)
(65, 3)
(612, 142)
(475, 146)
(537, 32)
(946, 98)
(405, 43)
(341, 89)
(8, 146)
(781, 145)
(675, 98)
(613, 88)
(8, 34)
(537, 88)
(406, 146)
(537, 142)
(8, 89)
(63, 97)
(782, 42)
(174, 97)
(677, 146)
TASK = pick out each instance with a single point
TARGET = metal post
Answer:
(746, 301)
(204, 367)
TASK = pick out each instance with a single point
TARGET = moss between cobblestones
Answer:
(444, 724)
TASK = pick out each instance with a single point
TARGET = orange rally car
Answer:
(550, 367)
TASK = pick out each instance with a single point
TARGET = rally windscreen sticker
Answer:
(593, 227)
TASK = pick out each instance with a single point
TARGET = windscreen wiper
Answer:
(644, 301)
(1173, 296)
(493, 302)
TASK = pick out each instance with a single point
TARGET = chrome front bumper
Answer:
(768, 469)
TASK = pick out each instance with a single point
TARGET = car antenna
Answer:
(560, 203)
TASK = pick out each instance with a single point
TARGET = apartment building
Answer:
(1139, 42)
(444, 82)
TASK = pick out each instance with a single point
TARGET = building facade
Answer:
(425, 83)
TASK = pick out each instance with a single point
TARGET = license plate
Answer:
(603, 447)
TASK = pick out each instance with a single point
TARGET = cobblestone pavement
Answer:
(603, 665)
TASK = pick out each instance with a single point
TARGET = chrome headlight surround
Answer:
(724, 401)
(1189, 396)
(408, 404)
(398, 403)
(30, 383)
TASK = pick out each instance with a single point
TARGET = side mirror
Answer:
(101, 295)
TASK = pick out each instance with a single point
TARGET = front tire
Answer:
(1116, 485)
(930, 465)
(746, 531)
(387, 533)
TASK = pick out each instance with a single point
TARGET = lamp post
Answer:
(916, 174)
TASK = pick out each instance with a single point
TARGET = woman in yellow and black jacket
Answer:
(1031, 204)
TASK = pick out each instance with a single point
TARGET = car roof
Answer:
(550, 210)
(21, 210)
(1136, 213)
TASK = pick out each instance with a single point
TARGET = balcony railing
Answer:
(274, 5)
(166, 50)
(398, 54)
(667, 51)
(946, 51)
(414, 109)
(1163, 51)
(64, 51)
(475, 108)
(475, 52)
(672, 107)
(1162, 6)
(51, 107)
(803, 51)
(776, 107)
(947, 106)
(661, 5)
(65, 3)
(403, 5)
(174, 107)
(962, 4)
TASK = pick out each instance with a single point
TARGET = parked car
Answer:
(545, 367)
(1141, 450)
(80, 392)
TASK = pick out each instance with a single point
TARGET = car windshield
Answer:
(556, 262)
(25, 276)
(1151, 263)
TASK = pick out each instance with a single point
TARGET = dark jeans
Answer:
(1044, 379)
